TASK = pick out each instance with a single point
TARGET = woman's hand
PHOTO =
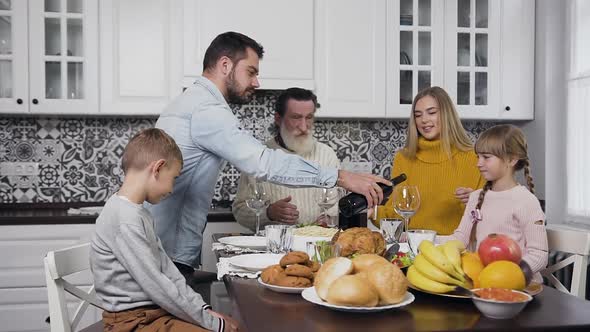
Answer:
(462, 194)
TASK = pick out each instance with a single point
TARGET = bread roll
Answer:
(354, 291)
(332, 269)
(389, 282)
(363, 262)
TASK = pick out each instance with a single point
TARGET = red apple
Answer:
(497, 247)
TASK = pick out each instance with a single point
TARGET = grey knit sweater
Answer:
(131, 269)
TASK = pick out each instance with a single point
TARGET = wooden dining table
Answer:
(260, 309)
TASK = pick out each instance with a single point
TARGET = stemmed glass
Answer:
(326, 198)
(257, 201)
(406, 201)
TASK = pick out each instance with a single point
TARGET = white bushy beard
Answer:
(299, 144)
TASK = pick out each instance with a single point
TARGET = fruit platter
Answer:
(450, 270)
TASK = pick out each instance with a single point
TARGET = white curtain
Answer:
(578, 114)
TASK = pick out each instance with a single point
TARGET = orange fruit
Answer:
(502, 274)
(472, 266)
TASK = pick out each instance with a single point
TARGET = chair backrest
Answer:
(577, 243)
(59, 264)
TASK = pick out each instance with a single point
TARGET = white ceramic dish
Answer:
(255, 262)
(251, 242)
(310, 295)
(501, 309)
(281, 289)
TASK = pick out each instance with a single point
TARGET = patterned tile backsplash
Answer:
(79, 158)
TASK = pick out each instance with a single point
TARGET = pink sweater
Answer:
(515, 212)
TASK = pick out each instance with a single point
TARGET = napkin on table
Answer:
(224, 267)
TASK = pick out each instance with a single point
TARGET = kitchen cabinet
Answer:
(415, 60)
(481, 52)
(284, 28)
(140, 55)
(23, 293)
(48, 56)
(350, 56)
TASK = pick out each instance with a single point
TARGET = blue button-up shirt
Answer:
(208, 134)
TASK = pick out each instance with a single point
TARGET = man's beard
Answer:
(298, 144)
(234, 96)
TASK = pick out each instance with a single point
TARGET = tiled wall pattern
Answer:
(79, 158)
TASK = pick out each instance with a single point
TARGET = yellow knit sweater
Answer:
(436, 177)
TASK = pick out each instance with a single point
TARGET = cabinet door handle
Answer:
(507, 108)
(35, 101)
(19, 101)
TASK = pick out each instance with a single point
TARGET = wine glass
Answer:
(406, 201)
(257, 201)
(326, 198)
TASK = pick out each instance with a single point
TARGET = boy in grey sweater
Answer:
(137, 283)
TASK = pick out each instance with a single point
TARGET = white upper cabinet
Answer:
(517, 58)
(490, 58)
(283, 27)
(48, 56)
(480, 51)
(140, 55)
(414, 51)
(350, 57)
(14, 77)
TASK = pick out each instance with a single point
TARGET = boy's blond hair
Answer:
(148, 146)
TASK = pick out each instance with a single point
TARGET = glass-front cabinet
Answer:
(480, 51)
(13, 57)
(415, 44)
(48, 56)
(473, 56)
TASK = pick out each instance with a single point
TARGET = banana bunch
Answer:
(438, 269)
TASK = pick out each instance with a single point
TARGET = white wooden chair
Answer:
(59, 264)
(576, 242)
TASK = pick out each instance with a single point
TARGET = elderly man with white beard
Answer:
(294, 118)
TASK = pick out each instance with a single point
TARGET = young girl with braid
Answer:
(504, 206)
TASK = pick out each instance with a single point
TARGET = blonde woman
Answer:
(439, 159)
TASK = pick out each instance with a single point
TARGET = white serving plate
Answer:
(251, 242)
(282, 289)
(310, 295)
(255, 262)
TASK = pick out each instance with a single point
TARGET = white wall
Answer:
(546, 134)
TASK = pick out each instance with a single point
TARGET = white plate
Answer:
(310, 295)
(255, 262)
(252, 242)
(282, 289)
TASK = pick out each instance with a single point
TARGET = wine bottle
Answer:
(354, 203)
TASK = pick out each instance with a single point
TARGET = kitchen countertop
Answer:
(56, 214)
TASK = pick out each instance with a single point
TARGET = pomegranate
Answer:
(498, 247)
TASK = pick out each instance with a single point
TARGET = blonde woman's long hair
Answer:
(452, 133)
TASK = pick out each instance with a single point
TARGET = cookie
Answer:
(313, 265)
(298, 270)
(294, 257)
(291, 281)
(271, 273)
